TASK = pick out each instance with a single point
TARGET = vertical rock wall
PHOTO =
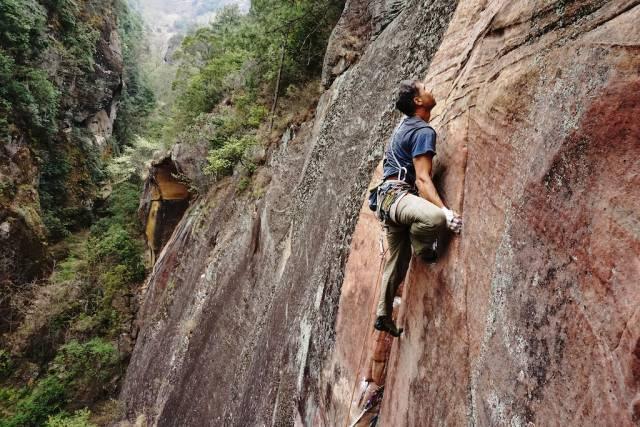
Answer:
(239, 312)
(531, 315)
(87, 110)
(253, 316)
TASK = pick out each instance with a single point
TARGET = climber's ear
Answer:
(418, 98)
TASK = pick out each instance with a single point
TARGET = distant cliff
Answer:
(258, 310)
(62, 77)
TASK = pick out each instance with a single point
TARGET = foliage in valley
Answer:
(85, 308)
(47, 61)
(232, 72)
(64, 355)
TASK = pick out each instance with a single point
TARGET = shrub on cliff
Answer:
(116, 247)
(33, 406)
(80, 371)
(222, 160)
(77, 419)
(86, 368)
(27, 98)
(232, 73)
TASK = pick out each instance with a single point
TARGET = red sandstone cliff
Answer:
(532, 314)
(254, 316)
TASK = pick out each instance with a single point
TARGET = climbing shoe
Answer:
(429, 256)
(385, 324)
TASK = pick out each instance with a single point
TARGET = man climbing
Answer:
(407, 202)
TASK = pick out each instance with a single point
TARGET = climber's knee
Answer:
(439, 220)
(433, 222)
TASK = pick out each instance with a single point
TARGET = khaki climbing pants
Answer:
(417, 224)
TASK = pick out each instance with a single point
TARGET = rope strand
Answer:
(383, 251)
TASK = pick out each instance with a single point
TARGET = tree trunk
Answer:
(275, 95)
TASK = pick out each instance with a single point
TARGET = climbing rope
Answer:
(383, 251)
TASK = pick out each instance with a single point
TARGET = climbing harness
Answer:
(388, 193)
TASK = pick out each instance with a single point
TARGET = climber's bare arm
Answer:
(424, 183)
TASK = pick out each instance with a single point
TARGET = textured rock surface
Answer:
(22, 253)
(360, 23)
(531, 316)
(164, 200)
(240, 309)
(88, 106)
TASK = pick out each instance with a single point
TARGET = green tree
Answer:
(247, 60)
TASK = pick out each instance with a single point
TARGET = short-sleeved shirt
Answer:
(413, 137)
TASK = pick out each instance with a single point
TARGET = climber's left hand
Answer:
(454, 221)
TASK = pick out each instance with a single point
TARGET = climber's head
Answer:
(414, 99)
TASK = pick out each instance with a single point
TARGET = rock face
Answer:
(22, 253)
(88, 106)
(531, 314)
(254, 316)
(164, 200)
(362, 21)
(240, 308)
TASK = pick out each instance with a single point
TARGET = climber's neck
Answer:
(423, 113)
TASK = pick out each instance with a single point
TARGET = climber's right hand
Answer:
(454, 221)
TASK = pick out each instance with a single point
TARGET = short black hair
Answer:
(407, 91)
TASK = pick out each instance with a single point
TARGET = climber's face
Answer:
(424, 101)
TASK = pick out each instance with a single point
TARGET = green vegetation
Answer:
(80, 362)
(78, 369)
(78, 419)
(247, 61)
(137, 99)
(29, 97)
(47, 66)
(64, 351)
(238, 83)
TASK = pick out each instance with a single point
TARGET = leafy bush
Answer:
(116, 246)
(78, 369)
(223, 159)
(69, 269)
(78, 419)
(85, 365)
(56, 229)
(27, 97)
(121, 208)
(22, 26)
(47, 397)
(133, 161)
(123, 204)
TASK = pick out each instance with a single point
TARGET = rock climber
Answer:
(408, 204)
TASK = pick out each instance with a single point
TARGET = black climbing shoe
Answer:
(384, 323)
(429, 256)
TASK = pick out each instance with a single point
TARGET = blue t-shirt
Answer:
(414, 137)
